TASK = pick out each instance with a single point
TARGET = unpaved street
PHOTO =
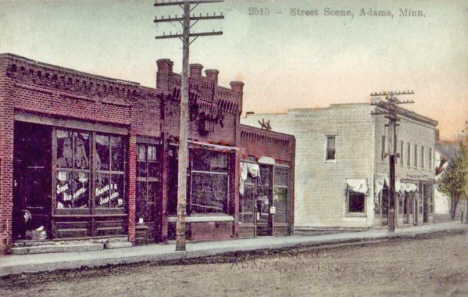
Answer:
(422, 267)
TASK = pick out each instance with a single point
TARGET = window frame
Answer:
(422, 157)
(327, 148)
(355, 213)
(226, 173)
(415, 157)
(148, 180)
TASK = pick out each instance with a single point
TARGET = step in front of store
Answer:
(26, 247)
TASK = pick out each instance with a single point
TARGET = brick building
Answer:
(342, 174)
(89, 157)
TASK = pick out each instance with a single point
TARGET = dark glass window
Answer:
(281, 198)
(356, 202)
(209, 182)
(331, 143)
(147, 182)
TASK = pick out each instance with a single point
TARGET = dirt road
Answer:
(423, 267)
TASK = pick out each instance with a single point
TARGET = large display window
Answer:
(209, 182)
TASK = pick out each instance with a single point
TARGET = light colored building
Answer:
(342, 172)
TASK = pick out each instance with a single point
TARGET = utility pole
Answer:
(186, 22)
(391, 110)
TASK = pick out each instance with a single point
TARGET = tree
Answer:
(452, 183)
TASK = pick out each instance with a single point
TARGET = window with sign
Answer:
(73, 169)
(109, 182)
(209, 181)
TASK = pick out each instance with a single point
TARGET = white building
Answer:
(342, 171)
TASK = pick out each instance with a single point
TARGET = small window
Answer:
(416, 155)
(408, 156)
(430, 159)
(331, 147)
(356, 202)
(422, 157)
(402, 148)
(383, 148)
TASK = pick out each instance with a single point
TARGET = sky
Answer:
(287, 58)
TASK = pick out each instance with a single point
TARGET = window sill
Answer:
(203, 218)
(356, 214)
(330, 161)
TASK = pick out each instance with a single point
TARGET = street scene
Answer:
(228, 148)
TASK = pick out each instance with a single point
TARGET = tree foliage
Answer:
(454, 181)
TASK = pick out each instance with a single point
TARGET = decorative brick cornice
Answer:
(43, 76)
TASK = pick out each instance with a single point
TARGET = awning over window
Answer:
(358, 185)
(382, 181)
(408, 188)
(247, 169)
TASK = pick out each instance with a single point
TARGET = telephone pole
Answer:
(186, 21)
(391, 110)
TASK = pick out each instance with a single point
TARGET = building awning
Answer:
(408, 188)
(212, 147)
(358, 185)
(247, 169)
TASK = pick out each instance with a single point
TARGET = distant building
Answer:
(342, 172)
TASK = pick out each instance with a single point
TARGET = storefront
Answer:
(93, 158)
(413, 201)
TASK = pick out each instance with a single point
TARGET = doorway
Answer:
(31, 180)
(264, 200)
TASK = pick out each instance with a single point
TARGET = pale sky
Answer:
(285, 61)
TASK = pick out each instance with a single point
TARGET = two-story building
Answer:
(342, 171)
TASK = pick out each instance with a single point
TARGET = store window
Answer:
(280, 198)
(73, 169)
(356, 202)
(247, 201)
(109, 183)
(209, 182)
(147, 182)
(331, 148)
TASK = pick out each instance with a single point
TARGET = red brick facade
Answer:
(43, 94)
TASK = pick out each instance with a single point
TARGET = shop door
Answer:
(264, 201)
(32, 181)
(385, 204)
(426, 199)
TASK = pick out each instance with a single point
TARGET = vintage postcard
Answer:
(232, 148)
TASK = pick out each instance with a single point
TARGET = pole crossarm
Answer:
(184, 120)
(169, 3)
(196, 35)
(391, 111)
(194, 18)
